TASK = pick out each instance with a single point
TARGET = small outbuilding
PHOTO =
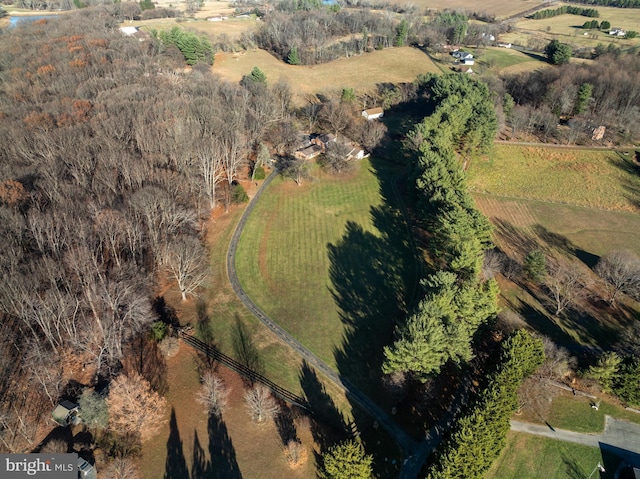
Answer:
(373, 113)
(66, 413)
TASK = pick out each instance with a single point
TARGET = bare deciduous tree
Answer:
(620, 271)
(337, 115)
(336, 158)
(564, 285)
(134, 407)
(295, 453)
(122, 468)
(185, 262)
(213, 394)
(261, 404)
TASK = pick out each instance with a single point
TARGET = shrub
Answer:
(259, 173)
(238, 195)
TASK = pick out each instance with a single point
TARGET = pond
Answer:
(15, 21)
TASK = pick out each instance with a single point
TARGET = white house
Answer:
(129, 31)
(618, 32)
(373, 113)
(468, 61)
(462, 56)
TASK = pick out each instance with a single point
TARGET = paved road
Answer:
(623, 435)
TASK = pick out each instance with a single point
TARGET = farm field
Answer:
(331, 261)
(568, 28)
(504, 60)
(499, 8)
(362, 72)
(531, 457)
(233, 28)
(578, 234)
(595, 178)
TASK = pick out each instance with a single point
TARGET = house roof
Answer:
(310, 151)
(326, 137)
(374, 111)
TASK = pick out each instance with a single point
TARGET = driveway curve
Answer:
(406, 443)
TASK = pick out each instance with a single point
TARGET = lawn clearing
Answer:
(503, 60)
(531, 457)
(362, 72)
(574, 413)
(329, 261)
(236, 444)
(595, 178)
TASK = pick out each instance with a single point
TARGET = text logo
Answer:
(38, 466)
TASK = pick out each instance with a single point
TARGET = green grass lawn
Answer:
(532, 457)
(332, 262)
(575, 413)
(595, 178)
(501, 58)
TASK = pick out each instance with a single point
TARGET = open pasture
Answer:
(331, 261)
(362, 72)
(568, 29)
(507, 60)
(602, 179)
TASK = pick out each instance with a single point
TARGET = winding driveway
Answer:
(407, 444)
(416, 452)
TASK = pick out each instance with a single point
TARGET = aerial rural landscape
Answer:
(339, 239)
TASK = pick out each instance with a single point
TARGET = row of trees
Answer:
(548, 13)
(457, 299)
(480, 434)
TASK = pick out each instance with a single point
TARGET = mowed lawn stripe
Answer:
(304, 220)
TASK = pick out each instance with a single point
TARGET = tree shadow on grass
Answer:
(223, 455)
(175, 465)
(632, 168)
(373, 278)
(327, 423)
(145, 358)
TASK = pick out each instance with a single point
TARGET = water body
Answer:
(15, 21)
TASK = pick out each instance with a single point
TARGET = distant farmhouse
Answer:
(373, 113)
(618, 32)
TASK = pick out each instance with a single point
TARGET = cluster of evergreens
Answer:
(480, 435)
(457, 301)
(548, 13)
(612, 3)
(196, 49)
(593, 25)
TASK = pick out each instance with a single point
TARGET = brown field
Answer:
(255, 449)
(499, 8)
(363, 72)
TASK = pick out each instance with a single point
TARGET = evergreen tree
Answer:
(558, 53)
(257, 76)
(480, 435)
(346, 460)
(402, 30)
(584, 95)
(535, 265)
(605, 370)
(293, 58)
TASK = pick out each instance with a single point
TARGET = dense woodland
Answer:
(112, 162)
